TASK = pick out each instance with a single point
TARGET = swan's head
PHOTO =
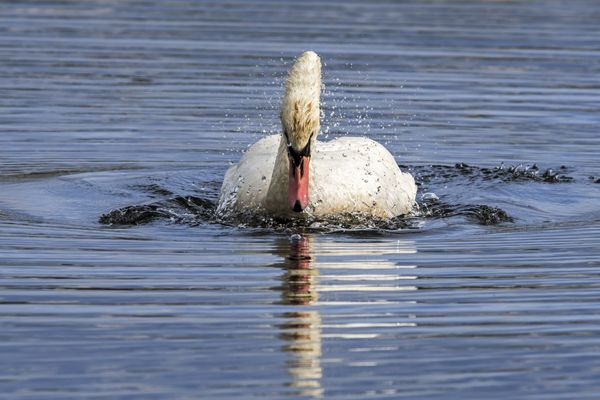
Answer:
(300, 114)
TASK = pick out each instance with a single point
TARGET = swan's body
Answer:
(346, 175)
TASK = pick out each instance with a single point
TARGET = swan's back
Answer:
(358, 175)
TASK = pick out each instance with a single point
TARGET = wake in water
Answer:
(519, 173)
(194, 210)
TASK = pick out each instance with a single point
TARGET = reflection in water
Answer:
(302, 329)
(303, 333)
(368, 271)
(299, 276)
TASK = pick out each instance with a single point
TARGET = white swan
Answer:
(293, 173)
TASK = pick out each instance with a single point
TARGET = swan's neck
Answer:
(278, 188)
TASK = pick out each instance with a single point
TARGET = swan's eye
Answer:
(296, 156)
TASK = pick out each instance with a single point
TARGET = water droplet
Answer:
(429, 196)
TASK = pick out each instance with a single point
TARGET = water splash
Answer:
(195, 210)
(444, 173)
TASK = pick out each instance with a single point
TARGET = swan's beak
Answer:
(298, 186)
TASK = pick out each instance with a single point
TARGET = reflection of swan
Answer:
(302, 329)
(344, 274)
(303, 333)
(294, 171)
(298, 280)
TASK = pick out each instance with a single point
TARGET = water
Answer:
(107, 105)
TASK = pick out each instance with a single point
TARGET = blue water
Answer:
(116, 104)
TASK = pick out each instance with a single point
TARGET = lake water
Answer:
(492, 291)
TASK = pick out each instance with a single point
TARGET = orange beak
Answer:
(298, 185)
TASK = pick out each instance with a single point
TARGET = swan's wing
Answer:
(358, 174)
(245, 184)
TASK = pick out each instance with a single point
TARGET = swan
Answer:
(292, 174)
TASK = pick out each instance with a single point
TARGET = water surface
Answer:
(109, 104)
